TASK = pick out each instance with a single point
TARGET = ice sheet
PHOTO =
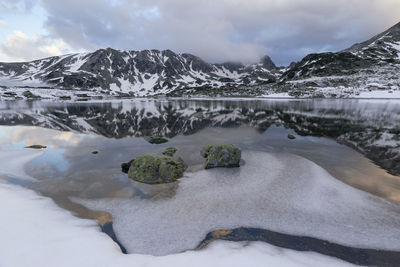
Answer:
(37, 233)
(278, 192)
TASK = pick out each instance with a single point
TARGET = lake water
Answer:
(354, 141)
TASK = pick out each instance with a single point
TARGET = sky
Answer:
(215, 30)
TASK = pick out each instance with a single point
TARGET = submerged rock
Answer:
(227, 156)
(156, 169)
(95, 152)
(156, 139)
(169, 151)
(36, 147)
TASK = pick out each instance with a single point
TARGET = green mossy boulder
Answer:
(156, 139)
(156, 169)
(227, 156)
(169, 151)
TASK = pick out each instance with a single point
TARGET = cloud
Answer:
(18, 6)
(3, 23)
(219, 30)
(21, 47)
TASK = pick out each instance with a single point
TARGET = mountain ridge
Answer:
(144, 72)
(370, 65)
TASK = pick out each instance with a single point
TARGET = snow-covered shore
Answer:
(37, 233)
(55, 94)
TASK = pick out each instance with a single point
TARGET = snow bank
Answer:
(279, 192)
(37, 233)
(389, 94)
(277, 95)
(12, 162)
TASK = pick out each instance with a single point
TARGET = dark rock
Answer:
(65, 97)
(227, 156)
(156, 139)
(36, 147)
(29, 94)
(290, 136)
(125, 166)
(169, 151)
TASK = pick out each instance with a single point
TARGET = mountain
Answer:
(135, 73)
(373, 64)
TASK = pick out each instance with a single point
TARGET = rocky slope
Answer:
(370, 65)
(134, 73)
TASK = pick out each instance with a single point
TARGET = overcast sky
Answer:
(215, 30)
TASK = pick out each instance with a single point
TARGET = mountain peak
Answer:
(267, 63)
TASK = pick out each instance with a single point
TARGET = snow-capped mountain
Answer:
(370, 65)
(135, 73)
(354, 72)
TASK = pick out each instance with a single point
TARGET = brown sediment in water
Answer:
(104, 219)
(81, 211)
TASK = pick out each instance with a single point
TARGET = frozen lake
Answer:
(337, 181)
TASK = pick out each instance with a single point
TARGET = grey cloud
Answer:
(21, 47)
(221, 30)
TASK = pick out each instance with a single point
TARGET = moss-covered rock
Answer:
(291, 136)
(227, 156)
(169, 151)
(156, 169)
(156, 139)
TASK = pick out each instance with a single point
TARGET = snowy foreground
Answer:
(37, 233)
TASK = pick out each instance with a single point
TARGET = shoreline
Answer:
(358, 256)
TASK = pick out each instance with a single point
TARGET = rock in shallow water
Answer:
(227, 156)
(156, 139)
(36, 147)
(126, 165)
(156, 169)
(169, 151)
